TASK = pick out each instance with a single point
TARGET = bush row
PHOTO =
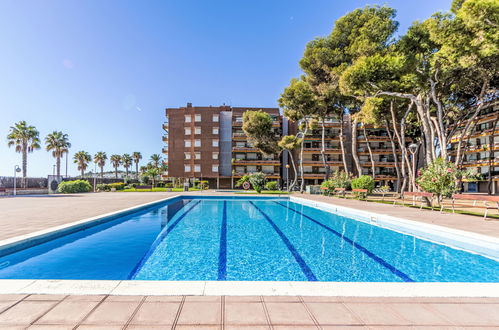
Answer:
(72, 187)
(110, 186)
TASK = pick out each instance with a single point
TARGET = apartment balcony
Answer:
(368, 163)
(274, 162)
(380, 177)
(165, 126)
(319, 138)
(321, 164)
(481, 162)
(313, 175)
(468, 149)
(268, 175)
(473, 135)
(373, 138)
(165, 150)
(237, 123)
(382, 151)
(244, 149)
(318, 150)
(165, 138)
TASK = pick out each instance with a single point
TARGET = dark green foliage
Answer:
(72, 187)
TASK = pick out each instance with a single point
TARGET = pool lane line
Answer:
(162, 235)
(359, 247)
(222, 255)
(299, 259)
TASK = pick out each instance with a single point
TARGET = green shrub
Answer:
(168, 185)
(271, 185)
(242, 180)
(363, 182)
(71, 187)
(202, 185)
(257, 180)
(117, 185)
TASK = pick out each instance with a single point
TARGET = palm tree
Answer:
(116, 161)
(155, 160)
(100, 159)
(136, 159)
(82, 158)
(58, 143)
(126, 159)
(26, 139)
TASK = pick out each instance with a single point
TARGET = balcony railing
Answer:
(259, 161)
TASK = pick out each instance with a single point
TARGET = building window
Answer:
(197, 118)
(197, 130)
(187, 130)
(215, 118)
(187, 155)
(188, 118)
(215, 155)
(267, 169)
(197, 155)
(197, 143)
(197, 168)
(215, 130)
(187, 168)
(187, 143)
(214, 168)
(214, 143)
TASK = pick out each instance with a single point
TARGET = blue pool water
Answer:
(259, 239)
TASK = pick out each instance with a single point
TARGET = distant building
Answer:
(208, 143)
(480, 149)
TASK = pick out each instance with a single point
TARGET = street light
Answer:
(287, 177)
(17, 169)
(413, 147)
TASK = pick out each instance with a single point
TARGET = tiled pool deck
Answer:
(24, 215)
(251, 312)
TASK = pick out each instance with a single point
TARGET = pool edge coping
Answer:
(239, 288)
(251, 288)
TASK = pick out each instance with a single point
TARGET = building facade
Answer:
(208, 143)
(480, 150)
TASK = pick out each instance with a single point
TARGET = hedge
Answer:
(71, 187)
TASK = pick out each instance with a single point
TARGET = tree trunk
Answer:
(302, 184)
(82, 172)
(294, 169)
(370, 152)
(395, 156)
(116, 172)
(58, 166)
(354, 148)
(323, 149)
(25, 165)
(342, 147)
(401, 139)
(101, 172)
(137, 170)
(126, 171)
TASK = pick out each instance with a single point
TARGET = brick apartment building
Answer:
(208, 143)
(481, 149)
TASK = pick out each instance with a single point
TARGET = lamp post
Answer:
(287, 177)
(17, 169)
(413, 147)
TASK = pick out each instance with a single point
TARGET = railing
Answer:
(263, 161)
(240, 174)
(250, 149)
(318, 150)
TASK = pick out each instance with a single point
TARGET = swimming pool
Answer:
(244, 239)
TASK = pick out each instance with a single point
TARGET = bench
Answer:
(415, 195)
(144, 187)
(339, 191)
(488, 202)
(360, 192)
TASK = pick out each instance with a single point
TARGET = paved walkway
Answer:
(457, 221)
(253, 312)
(26, 214)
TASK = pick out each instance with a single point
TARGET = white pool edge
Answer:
(468, 241)
(250, 288)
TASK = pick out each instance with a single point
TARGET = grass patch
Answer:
(264, 192)
(158, 189)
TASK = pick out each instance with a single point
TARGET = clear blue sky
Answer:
(103, 71)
